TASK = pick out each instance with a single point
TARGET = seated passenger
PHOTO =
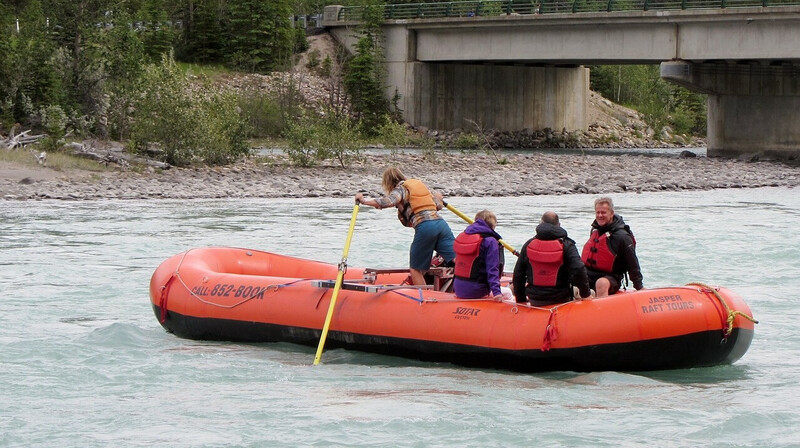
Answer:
(479, 259)
(549, 266)
(610, 252)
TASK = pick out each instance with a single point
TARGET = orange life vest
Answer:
(419, 197)
(546, 258)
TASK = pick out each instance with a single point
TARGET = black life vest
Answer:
(546, 258)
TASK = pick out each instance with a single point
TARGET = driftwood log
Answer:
(106, 157)
(20, 140)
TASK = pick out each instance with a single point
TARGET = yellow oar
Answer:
(337, 286)
(470, 221)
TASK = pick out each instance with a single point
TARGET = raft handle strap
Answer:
(550, 332)
(731, 314)
(162, 303)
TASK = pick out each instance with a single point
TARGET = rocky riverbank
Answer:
(452, 173)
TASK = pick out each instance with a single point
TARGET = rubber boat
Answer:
(234, 294)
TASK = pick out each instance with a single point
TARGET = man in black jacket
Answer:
(549, 266)
(610, 251)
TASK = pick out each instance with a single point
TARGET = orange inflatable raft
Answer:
(246, 295)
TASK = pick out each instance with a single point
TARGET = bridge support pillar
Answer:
(753, 109)
(450, 96)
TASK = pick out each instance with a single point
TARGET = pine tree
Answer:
(30, 81)
(156, 30)
(365, 76)
(260, 34)
(203, 38)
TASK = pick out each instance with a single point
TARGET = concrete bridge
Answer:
(512, 65)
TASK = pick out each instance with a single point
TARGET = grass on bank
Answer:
(211, 72)
(56, 161)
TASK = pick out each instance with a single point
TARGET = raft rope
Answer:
(162, 303)
(731, 313)
(550, 333)
(177, 274)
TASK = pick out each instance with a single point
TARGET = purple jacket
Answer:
(491, 253)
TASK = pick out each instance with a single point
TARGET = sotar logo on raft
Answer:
(666, 303)
(465, 313)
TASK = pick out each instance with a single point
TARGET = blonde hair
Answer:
(488, 217)
(392, 177)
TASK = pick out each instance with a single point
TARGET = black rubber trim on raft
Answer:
(692, 350)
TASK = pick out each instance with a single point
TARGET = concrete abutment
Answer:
(753, 109)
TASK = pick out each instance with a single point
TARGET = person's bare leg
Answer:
(416, 277)
(601, 287)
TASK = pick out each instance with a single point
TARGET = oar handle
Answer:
(470, 221)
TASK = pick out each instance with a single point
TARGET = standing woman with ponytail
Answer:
(418, 208)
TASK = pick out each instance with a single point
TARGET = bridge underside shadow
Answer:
(449, 96)
(753, 109)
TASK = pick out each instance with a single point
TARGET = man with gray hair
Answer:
(549, 266)
(610, 252)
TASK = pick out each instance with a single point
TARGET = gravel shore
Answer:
(454, 174)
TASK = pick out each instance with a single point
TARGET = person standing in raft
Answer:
(417, 207)
(549, 266)
(610, 252)
(479, 259)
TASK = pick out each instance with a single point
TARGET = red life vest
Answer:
(467, 248)
(597, 254)
(546, 258)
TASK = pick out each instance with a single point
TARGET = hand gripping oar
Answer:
(337, 286)
(470, 221)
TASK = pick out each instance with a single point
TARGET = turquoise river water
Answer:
(85, 363)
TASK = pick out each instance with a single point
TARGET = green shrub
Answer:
(392, 134)
(190, 123)
(662, 103)
(315, 139)
(54, 122)
(263, 114)
(313, 59)
(467, 140)
(327, 67)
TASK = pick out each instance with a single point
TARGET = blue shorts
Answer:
(430, 235)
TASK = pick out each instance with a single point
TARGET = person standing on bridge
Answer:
(549, 266)
(417, 207)
(610, 252)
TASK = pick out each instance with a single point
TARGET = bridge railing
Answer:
(485, 8)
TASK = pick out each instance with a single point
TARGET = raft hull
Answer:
(655, 329)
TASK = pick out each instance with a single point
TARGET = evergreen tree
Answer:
(366, 72)
(157, 32)
(203, 38)
(30, 80)
(122, 55)
(78, 28)
(259, 34)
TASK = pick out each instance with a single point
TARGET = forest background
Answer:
(146, 73)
